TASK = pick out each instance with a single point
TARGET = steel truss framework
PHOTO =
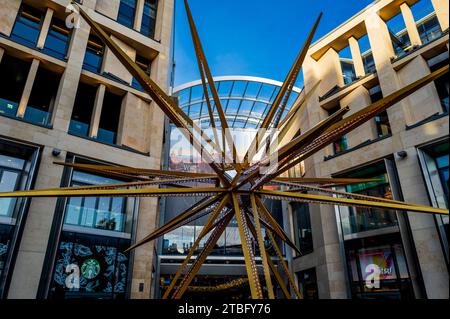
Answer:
(225, 199)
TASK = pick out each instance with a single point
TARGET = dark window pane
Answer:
(82, 110)
(14, 73)
(42, 98)
(302, 228)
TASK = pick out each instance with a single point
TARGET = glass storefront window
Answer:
(10, 175)
(17, 162)
(95, 212)
(180, 241)
(307, 284)
(302, 228)
(434, 160)
(99, 262)
(356, 220)
(377, 268)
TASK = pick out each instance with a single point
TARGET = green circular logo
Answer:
(90, 269)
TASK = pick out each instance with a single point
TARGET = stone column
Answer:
(67, 91)
(134, 124)
(28, 87)
(45, 28)
(410, 23)
(441, 8)
(356, 57)
(97, 111)
(139, 15)
(112, 65)
(8, 14)
(33, 245)
(1, 54)
(425, 102)
(383, 51)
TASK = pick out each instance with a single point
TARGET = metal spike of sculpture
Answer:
(223, 201)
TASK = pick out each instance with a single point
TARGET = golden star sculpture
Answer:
(224, 199)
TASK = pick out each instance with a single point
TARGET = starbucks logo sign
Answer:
(90, 269)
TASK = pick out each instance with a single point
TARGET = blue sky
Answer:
(253, 37)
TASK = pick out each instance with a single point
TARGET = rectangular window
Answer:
(42, 98)
(127, 11)
(356, 220)
(369, 63)
(149, 18)
(434, 160)
(82, 110)
(28, 25)
(109, 119)
(57, 41)
(307, 283)
(302, 228)
(377, 268)
(145, 64)
(442, 84)
(12, 83)
(95, 212)
(100, 261)
(94, 54)
(382, 119)
(340, 145)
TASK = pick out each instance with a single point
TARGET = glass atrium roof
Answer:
(245, 100)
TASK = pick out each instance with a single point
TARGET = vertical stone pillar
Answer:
(356, 57)
(67, 91)
(441, 9)
(112, 65)
(134, 124)
(139, 15)
(97, 111)
(383, 51)
(8, 14)
(410, 23)
(45, 28)
(28, 87)
(33, 245)
(1, 54)
(425, 102)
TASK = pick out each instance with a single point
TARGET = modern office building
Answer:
(245, 101)
(383, 48)
(65, 97)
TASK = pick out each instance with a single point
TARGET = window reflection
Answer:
(95, 212)
(377, 268)
(57, 41)
(102, 265)
(355, 220)
(27, 28)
